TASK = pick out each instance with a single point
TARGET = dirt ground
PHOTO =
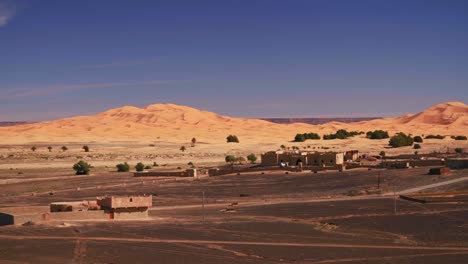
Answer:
(267, 217)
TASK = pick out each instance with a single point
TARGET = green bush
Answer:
(86, 148)
(82, 167)
(123, 167)
(434, 137)
(230, 159)
(252, 158)
(418, 139)
(400, 140)
(458, 150)
(140, 166)
(342, 134)
(305, 136)
(377, 134)
(460, 138)
(232, 138)
(417, 146)
(382, 153)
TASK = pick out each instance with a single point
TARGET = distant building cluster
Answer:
(305, 158)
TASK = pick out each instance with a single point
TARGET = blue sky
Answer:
(250, 58)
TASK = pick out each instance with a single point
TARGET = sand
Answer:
(178, 124)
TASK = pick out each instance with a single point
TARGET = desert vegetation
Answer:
(140, 167)
(123, 167)
(342, 134)
(377, 134)
(252, 158)
(434, 137)
(82, 167)
(459, 137)
(232, 138)
(400, 140)
(418, 139)
(305, 136)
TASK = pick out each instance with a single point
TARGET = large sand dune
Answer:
(174, 123)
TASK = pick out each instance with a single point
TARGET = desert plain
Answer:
(352, 216)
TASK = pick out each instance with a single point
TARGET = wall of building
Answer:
(124, 202)
(457, 163)
(130, 214)
(6, 219)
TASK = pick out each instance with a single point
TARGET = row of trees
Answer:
(63, 148)
(377, 134)
(342, 134)
(305, 136)
(232, 159)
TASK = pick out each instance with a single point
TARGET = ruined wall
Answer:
(130, 214)
(124, 202)
(269, 159)
(457, 163)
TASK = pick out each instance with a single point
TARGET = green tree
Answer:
(460, 138)
(382, 154)
(252, 158)
(82, 167)
(232, 138)
(86, 148)
(400, 140)
(418, 139)
(140, 166)
(123, 167)
(191, 164)
(182, 148)
(33, 148)
(64, 148)
(240, 160)
(283, 147)
(417, 146)
(230, 159)
(377, 134)
(194, 141)
(49, 148)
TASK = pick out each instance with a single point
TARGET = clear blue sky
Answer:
(251, 58)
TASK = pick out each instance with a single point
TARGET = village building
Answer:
(321, 159)
(105, 208)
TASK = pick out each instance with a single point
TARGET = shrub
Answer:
(140, 166)
(342, 134)
(49, 148)
(190, 164)
(123, 167)
(148, 167)
(182, 148)
(458, 150)
(382, 153)
(232, 138)
(460, 138)
(434, 137)
(418, 139)
(417, 146)
(194, 141)
(64, 148)
(240, 159)
(252, 158)
(86, 148)
(155, 164)
(283, 147)
(33, 148)
(377, 134)
(230, 159)
(305, 136)
(82, 167)
(400, 140)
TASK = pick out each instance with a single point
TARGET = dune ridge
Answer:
(176, 123)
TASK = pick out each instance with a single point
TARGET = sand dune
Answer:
(175, 123)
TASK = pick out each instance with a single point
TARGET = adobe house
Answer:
(322, 159)
(351, 155)
(106, 208)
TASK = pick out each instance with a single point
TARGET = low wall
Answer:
(455, 164)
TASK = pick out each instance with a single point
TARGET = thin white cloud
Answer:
(116, 64)
(7, 12)
(46, 90)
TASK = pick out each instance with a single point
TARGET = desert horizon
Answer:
(242, 132)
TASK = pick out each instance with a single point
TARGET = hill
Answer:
(175, 123)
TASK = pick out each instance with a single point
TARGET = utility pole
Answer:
(203, 207)
(378, 181)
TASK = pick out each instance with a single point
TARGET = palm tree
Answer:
(182, 148)
(49, 148)
(33, 148)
